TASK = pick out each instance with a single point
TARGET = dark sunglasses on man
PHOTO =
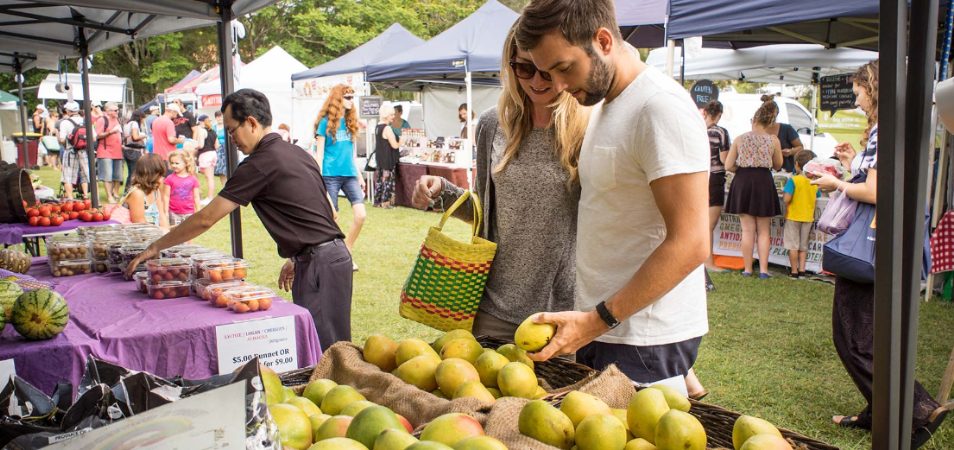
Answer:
(526, 71)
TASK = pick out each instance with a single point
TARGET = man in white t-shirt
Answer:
(643, 221)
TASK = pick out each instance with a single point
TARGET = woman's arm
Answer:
(136, 203)
(389, 135)
(777, 157)
(866, 192)
(196, 196)
(730, 158)
(136, 135)
(164, 198)
(319, 150)
(796, 147)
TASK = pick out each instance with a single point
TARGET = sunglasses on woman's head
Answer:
(526, 71)
(348, 97)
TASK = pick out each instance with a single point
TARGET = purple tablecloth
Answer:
(111, 320)
(12, 233)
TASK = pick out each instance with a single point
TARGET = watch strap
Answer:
(606, 315)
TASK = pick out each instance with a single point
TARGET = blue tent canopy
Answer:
(473, 44)
(357, 60)
(844, 23)
(646, 12)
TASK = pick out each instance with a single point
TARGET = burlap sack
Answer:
(343, 363)
(610, 385)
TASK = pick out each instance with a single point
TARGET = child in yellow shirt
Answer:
(799, 195)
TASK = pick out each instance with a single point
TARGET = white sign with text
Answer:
(272, 340)
(213, 420)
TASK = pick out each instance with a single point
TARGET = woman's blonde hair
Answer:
(569, 119)
(866, 77)
(186, 157)
(334, 110)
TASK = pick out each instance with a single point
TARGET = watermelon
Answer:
(40, 314)
(9, 291)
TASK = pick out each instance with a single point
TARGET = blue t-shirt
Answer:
(220, 135)
(339, 154)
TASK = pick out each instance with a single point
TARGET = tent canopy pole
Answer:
(88, 120)
(18, 66)
(228, 86)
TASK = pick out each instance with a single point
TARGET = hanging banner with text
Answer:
(272, 340)
(727, 239)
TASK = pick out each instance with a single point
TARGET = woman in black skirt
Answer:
(753, 197)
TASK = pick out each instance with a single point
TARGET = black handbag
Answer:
(131, 153)
(371, 164)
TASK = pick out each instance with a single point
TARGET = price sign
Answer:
(836, 93)
(370, 105)
(703, 92)
(273, 341)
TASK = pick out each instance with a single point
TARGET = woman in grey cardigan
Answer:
(527, 152)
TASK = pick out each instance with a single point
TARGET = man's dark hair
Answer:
(218, 114)
(399, 109)
(577, 21)
(803, 157)
(247, 103)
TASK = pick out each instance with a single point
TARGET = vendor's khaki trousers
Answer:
(322, 285)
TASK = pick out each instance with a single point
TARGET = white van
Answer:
(738, 110)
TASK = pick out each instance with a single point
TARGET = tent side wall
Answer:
(441, 103)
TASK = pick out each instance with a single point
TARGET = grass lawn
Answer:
(769, 351)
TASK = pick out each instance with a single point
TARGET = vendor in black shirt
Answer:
(285, 187)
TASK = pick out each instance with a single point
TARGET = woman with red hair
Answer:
(335, 130)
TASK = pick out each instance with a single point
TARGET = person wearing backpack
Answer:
(72, 136)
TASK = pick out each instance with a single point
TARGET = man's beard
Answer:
(599, 82)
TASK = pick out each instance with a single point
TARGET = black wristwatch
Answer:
(606, 315)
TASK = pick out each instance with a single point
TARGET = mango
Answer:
(679, 430)
(766, 442)
(463, 348)
(452, 373)
(317, 420)
(449, 429)
(419, 371)
(545, 423)
(287, 394)
(517, 380)
(356, 407)
(305, 405)
(437, 393)
(370, 422)
(274, 391)
(577, 405)
(338, 398)
(644, 411)
(316, 390)
(338, 444)
(380, 351)
(639, 444)
(450, 336)
(748, 426)
(531, 336)
(393, 440)
(476, 390)
(515, 354)
(410, 348)
(294, 427)
(480, 443)
(488, 365)
(495, 392)
(600, 432)
(427, 445)
(674, 398)
(334, 426)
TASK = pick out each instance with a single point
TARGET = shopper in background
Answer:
(398, 124)
(335, 130)
(109, 151)
(38, 122)
(753, 196)
(164, 137)
(719, 144)
(180, 190)
(75, 160)
(133, 144)
(387, 154)
(208, 156)
(221, 163)
(799, 196)
(50, 141)
(152, 115)
(143, 204)
(787, 136)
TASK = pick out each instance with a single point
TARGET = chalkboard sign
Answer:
(369, 105)
(703, 92)
(836, 93)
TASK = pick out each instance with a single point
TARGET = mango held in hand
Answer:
(541, 421)
(678, 430)
(532, 336)
(747, 426)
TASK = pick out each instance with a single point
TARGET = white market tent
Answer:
(102, 88)
(39, 33)
(270, 74)
(782, 63)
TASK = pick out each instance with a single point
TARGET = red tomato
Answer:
(74, 215)
(45, 211)
(44, 221)
(56, 221)
(85, 216)
(88, 203)
(55, 208)
(33, 212)
(68, 206)
(34, 221)
(98, 217)
(106, 215)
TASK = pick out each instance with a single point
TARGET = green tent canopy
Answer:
(7, 97)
